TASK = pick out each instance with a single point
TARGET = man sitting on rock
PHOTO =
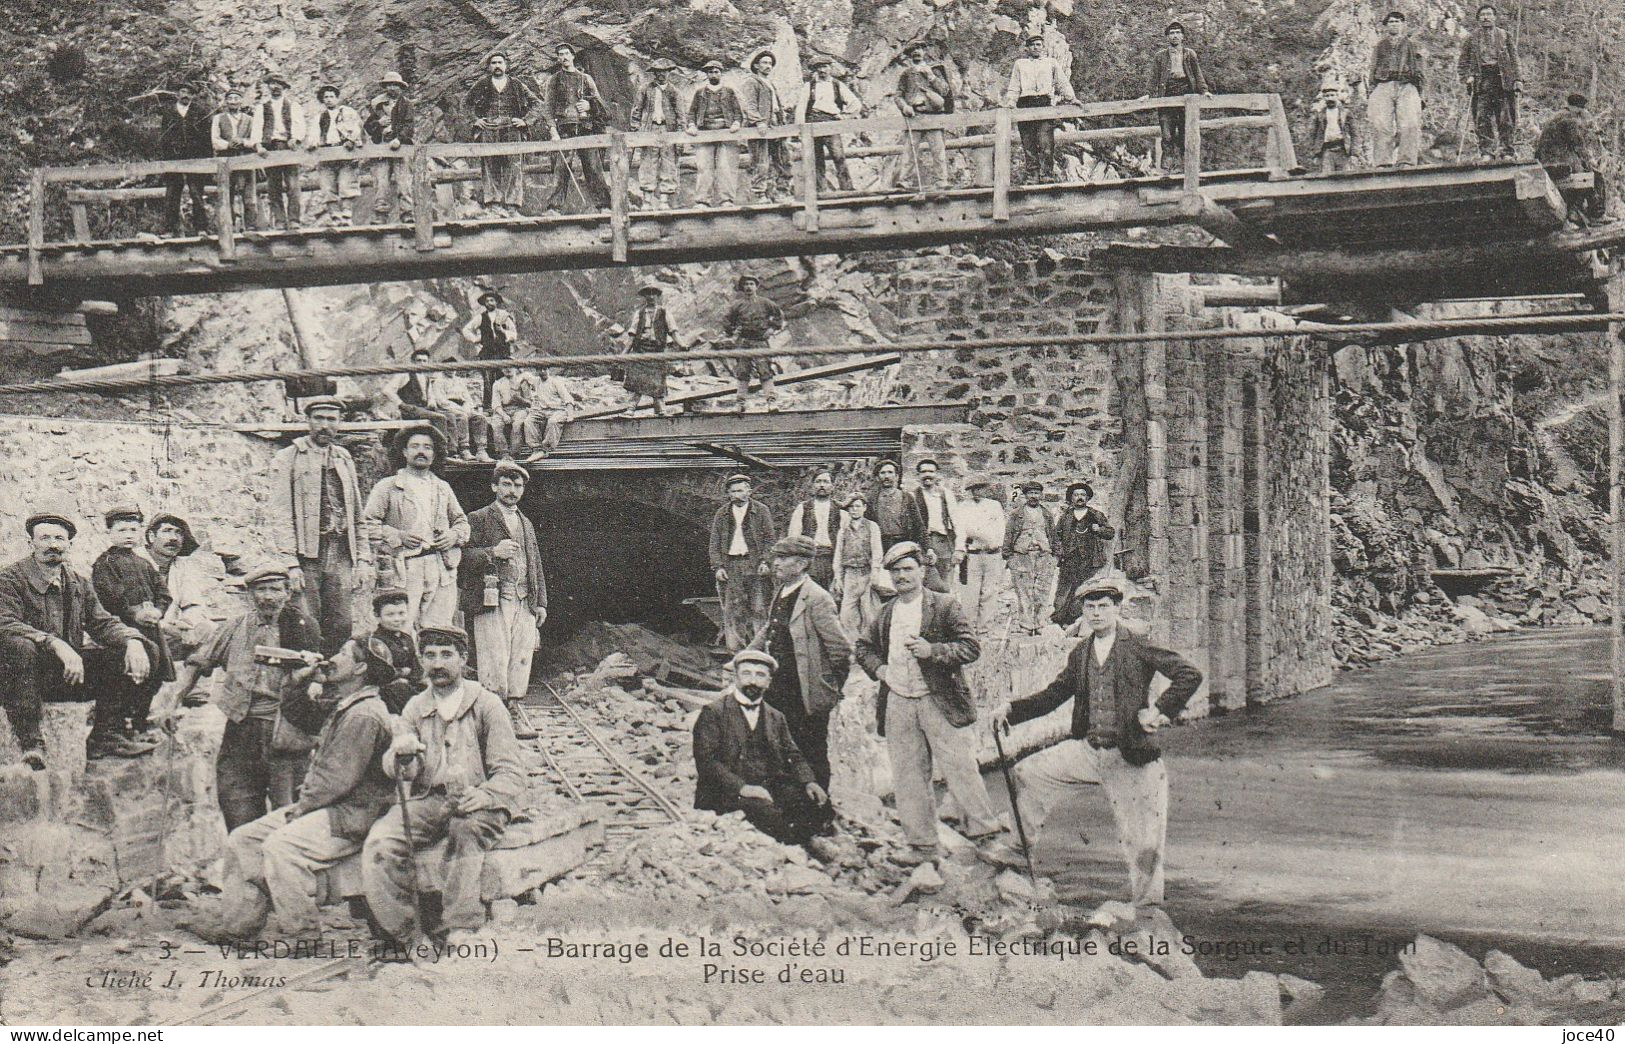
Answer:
(457, 747)
(746, 760)
(272, 862)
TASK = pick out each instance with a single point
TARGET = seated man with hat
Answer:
(917, 648)
(187, 622)
(746, 760)
(751, 320)
(457, 749)
(255, 771)
(46, 613)
(130, 588)
(1108, 679)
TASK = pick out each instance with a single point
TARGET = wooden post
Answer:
(81, 221)
(620, 176)
(422, 199)
(809, 179)
(1616, 490)
(1001, 164)
(36, 226)
(222, 211)
(1193, 142)
(1285, 153)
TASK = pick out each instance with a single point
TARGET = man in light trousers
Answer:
(502, 590)
(982, 518)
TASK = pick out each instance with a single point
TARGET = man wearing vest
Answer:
(1029, 548)
(495, 331)
(932, 509)
(824, 99)
(232, 134)
(575, 109)
(502, 590)
(334, 126)
(659, 108)
(503, 108)
(741, 534)
(279, 126)
(888, 506)
(314, 507)
(183, 134)
(1395, 103)
(1108, 679)
(818, 519)
(923, 91)
(1037, 81)
(746, 760)
(714, 106)
(803, 633)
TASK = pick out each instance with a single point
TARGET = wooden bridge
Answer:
(1379, 230)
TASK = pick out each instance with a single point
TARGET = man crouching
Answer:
(457, 747)
(272, 862)
(747, 761)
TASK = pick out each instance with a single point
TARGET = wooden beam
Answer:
(1241, 295)
(1286, 154)
(1001, 165)
(80, 213)
(1616, 493)
(809, 180)
(1220, 222)
(36, 227)
(142, 368)
(422, 200)
(12, 330)
(620, 181)
(1193, 142)
(222, 212)
(735, 453)
(813, 373)
(1542, 204)
(41, 317)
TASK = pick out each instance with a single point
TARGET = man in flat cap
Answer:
(659, 107)
(187, 623)
(746, 759)
(982, 518)
(421, 527)
(1030, 549)
(741, 537)
(713, 107)
(803, 633)
(279, 126)
(503, 108)
(253, 776)
(456, 747)
(1395, 103)
(751, 320)
(575, 109)
(502, 592)
(818, 517)
(1082, 543)
(1176, 70)
(315, 508)
(231, 132)
(130, 588)
(334, 125)
(917, 647)
(1037, 81)
(824, 99)
(46, 613)
(1114, 723)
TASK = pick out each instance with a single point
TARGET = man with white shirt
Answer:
(983, 520)
(1037, 82)
(917, 648)
(279, 126)
(1108, 679)
(741, 535)
(232, 133)
(449, 395)
(552, 404)
(746, 761)
(823, 99)
(1030, 549)
(186, 623)
(420, 527)
(502, 589)
(818, 518)
(934, 512)
(334, 126)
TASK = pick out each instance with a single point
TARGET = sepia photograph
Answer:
(811, 513)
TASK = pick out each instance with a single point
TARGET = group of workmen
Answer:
(905, 585)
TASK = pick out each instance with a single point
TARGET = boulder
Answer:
(1511, 981)
(1300, 997)
(1444, 976)
(58, 913)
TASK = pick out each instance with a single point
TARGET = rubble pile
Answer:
(1441, 984)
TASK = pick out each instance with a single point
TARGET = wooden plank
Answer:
(809, 180)
(36, 227)
(11, 330)
(1286, 154)
(222, 211)
(40, 317)
(620, 177)
(813, 373)
(1542, 204)
(422, 199)
(81, 221)
(1001, 165)
(1193, 142)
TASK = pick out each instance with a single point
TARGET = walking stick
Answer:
(163, 824)
(1015, 806)
(411, 844)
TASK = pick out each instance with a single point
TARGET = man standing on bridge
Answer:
(502, 590)
(575, 109)
(741, 535)
(659, 108)
(421, 526)
(713, 107)
(503, 108)
(1037, 81)
(1489, 71)
(1395, 104)
(334, 125)
(924, 91)
(751, 320)
(1108, 679)
(824, 99)
(1175, 71)
(279, 126)
(183, 134)
(392, 122)
(232, 134)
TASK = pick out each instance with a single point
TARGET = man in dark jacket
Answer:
(1489, 71)
(392, 652)
(183, 134)
(1567, 146)
(574, 108)
(741, 536)
(1082, 539)
(391, 121)
(746, 761)
(46, 613)
(272, 862)
(1175, 71)
(501, 590)
(924, 91)
(1333, 135)
(1394, 106)
(917, 648)
(1108, 679)
(130, 588)
(751, 321)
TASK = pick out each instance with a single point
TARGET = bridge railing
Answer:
(426, 165)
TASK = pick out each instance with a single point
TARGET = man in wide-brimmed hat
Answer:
(649, 330)
(279, 126)
(496, 332)
(573, 109)
(1083, 540)
(826, 98)
(751, 320)
(659, 107)
(334, 125)
(392, 121)
(417, 523)
(187, 622)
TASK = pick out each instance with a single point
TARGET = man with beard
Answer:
(1081, 542)
(769, 157)
(231, 133)
(714, 106)
(746, 760)
(575, 109)
(46, 612)
(251, 775)
(803, 633)
(457, 748)
(818, 518)
(416, 516)
(272, 862)
(314, 506)
(502, 590)
(186, 623)
(503, 109)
